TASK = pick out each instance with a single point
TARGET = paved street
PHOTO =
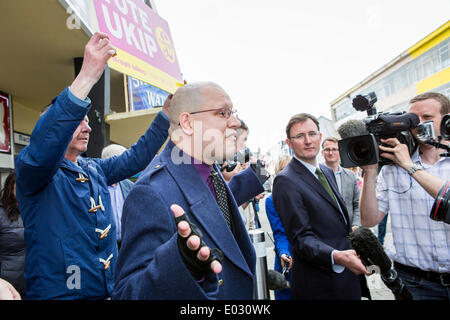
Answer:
(378, 289)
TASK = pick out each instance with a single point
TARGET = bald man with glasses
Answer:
(183, 237)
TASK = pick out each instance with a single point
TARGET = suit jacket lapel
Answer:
(312, 181)
(204, 208)
(334, 187)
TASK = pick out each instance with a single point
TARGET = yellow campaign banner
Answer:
(136, 68)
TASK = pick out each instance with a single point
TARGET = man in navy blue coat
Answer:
(70, 233)
(316, 220)
(154, 260)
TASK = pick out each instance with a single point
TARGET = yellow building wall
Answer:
(430, 41)
(434, 81)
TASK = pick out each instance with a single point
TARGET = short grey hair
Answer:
(113, 150)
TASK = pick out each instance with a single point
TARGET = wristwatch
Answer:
(415, 167)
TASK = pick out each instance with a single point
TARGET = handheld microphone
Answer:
(371, 252)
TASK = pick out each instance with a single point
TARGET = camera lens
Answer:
(425, 131)
(421, 132)
(360, 152)
(441, 206)
(445, 128)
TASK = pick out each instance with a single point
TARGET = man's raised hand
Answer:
(97, 52)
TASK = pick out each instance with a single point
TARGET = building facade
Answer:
(422, 67)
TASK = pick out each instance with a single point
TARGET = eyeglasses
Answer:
(302, 136)
(225, 112)
(331, 150)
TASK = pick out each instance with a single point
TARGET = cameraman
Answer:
(407, 190)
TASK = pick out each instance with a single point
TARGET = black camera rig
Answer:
(426, 134)
(363, 149)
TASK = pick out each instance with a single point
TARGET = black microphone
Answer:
(371, 252)
(352, 128)
(276, 281)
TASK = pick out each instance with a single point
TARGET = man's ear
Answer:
(288, 142)
(186, 123)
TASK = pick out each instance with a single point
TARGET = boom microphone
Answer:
(352, 128)
(371, 252)
(369, 249)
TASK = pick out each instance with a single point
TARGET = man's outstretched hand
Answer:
(198, 257)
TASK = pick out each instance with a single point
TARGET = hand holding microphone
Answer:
(350, 260)
(372, 253)
(286, 262)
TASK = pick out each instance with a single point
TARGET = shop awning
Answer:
(127, 127)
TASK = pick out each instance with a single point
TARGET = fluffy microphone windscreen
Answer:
(276, 281)
(352, 128)
(370, 250)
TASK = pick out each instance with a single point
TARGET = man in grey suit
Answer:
(346, 180)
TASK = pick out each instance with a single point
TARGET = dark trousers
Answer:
(421, 288)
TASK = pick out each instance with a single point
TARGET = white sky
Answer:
(279, 58)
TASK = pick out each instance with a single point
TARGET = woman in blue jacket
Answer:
(283, 252)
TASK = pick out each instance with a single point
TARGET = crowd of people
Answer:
(73, 227)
